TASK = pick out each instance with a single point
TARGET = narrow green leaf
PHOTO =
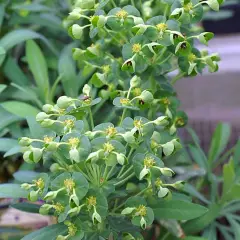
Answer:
(20, 109)
(7, 143)
(38, 66)
(193, 238)
(14, 73)
(67, 69)
(179, 210)
(219, 141)
(7, 118)
(2, 87)
(228, 177)
(9, 190)
(198, 224)
(235, 226)
(236, 155)
(2, 12)
(27, 207)
(2, 55)
(20, 35)
(47, 233)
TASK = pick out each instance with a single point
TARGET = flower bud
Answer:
(74, 155)
(121, 158)
(146, 96)
(101, 21)
(86, 90)
(60, 237)
(26, 157)
(179, 185)
(64, 102)
(97, 217)
(25, 141)
(163, 192)
(135, 81)
(47, 123)
(55, 167)
(36, 154)
(48, 108)
(128, 210)
(129, 137)
(41, 116)
(33, 196)
(167, 172)
(85, 4)
(44, 209)
(51, 196)
(26, 186)
(77, 53)
(75, 31)
(74, 15)
(161, 121)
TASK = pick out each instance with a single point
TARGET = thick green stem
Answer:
(176, 78)
(91, 118)
(124, 180)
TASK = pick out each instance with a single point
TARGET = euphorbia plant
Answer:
(107, 179)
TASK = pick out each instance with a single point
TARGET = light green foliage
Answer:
(107, 148)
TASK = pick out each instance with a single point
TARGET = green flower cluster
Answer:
(96, 171)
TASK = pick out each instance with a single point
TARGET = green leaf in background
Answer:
(228, 177)
(179, 210)
(7, 143)
(2, 55)
(25, 176)
(33, 7)
(198, 224)
(7, 118)
(38, 67)
(26, 207)
(2, 12)
(20, 35)
(2, 87)
(20, 109)
(36, 131)
(14, 73)
(193, 238)
(219, 141)
(9, 190)
(67, 69)
(47, 233)
(236, 155)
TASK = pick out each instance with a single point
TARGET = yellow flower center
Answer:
(188, 7)
(137, 92)
(47, 139)
(73, 142)
(72, 229)
(108, 147)
(138, 124)
(180, 122)
(69, 123)
(142, 211)
(111, 131)
(192, 57)
(158, 183)
(106, 69)
(91, 201)
(161, 27)
(166, 101)
(69, 184)
(39, 183)
(154, 144)
(59, 208)
(122, 14)
(136, 48)
(149, 162)
(124, 101)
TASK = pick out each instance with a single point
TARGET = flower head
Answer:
(74, 142)
(108, 147)
(141, 211)
(122, 14)
(138, 124)
(111, 131)
(39, 183)
(149, 162)
(161, 27)
(69, 184)
(124, 101)
(136, 48)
